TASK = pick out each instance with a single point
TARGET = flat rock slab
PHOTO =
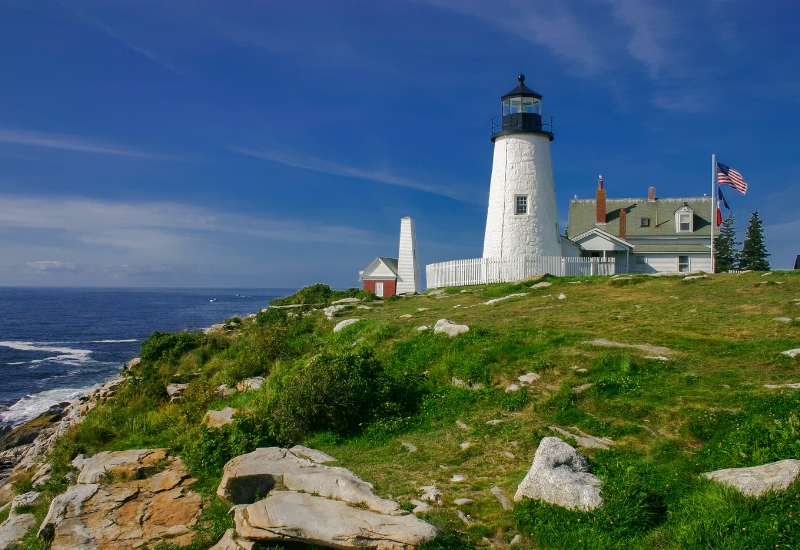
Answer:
(450, 328)
(792, 352)
(311, 454)
(584, 439)
(254, 383)
(218, 419)
(14, 528)
(330, 311)
(129, 464)
(343, 324)
(655, 350)
(495, 300)
(300, 517)
(560, 475)
(229, 542)
(272, 468)
(158, 508)
(25, 499)
(793, 386)
(543, 284)
(501, 496)
(757, 480)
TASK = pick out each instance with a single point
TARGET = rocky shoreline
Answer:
(26, 447)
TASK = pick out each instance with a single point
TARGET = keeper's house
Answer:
(644, 235)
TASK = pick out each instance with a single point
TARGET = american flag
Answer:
(728, 176)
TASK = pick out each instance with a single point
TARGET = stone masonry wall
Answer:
(522, 166)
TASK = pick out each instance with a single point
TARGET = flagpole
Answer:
(713, 210)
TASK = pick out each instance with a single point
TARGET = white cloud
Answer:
(68, 142)
(50, 266)
(382, 176)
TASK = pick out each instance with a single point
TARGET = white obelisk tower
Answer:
(407, 267)
(522, 219)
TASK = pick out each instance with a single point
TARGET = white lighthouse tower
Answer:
(522, 219)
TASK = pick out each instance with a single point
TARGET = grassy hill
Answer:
(362, 393)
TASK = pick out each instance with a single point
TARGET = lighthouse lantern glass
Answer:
(506, 106)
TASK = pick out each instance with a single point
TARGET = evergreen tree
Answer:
(726, 252)
(754, 252)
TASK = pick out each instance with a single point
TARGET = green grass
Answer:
(361, 392)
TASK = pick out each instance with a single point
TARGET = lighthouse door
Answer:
(379, 289)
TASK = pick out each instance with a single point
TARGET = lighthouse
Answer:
(522, 218)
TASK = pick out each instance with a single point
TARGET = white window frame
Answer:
(516, 205)
(688, 263)
(684, 211)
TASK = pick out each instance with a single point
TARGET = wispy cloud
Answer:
(152, 56)
(68, 142)
(547, 23)
(381, 176)
(159, 225)
(50, 266)
(652, 32)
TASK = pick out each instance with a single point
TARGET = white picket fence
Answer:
(481, 271)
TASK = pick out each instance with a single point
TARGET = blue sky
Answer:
(278, 144)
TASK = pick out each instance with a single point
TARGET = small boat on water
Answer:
(214, 300)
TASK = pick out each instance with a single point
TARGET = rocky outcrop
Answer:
(450, 328)
(265, 469)
(150, 502)
(176, 391)
(757, 480)
(218, 419)
(27, 457)
(309, 502)
(560, 475)
(14, 528)
(286, 516)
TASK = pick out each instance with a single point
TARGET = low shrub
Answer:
(169, 346)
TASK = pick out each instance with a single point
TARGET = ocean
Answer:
(55, 343)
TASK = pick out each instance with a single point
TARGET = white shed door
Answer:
(379, 288)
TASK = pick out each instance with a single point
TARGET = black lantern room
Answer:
(522, 114)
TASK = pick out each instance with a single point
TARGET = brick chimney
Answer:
(623, 223)
(601, 202)
(651, 194)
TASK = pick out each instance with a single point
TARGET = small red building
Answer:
(380, 276)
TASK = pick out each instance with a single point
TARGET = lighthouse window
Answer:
(516, 105)
(527, 104)
(506, 106)
(521, 204)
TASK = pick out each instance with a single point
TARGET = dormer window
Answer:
(684, 219)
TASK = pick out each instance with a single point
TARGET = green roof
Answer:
(660, 212)
(671, 248)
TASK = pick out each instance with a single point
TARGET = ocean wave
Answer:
(31, 406)
(113, 341)
(69, 356)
